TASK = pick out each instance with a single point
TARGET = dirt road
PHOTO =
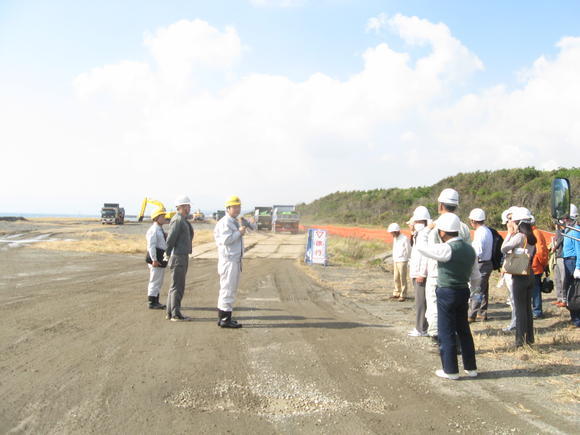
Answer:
(80, 353)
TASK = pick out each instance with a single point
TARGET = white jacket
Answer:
(434, 239)
(228, 239)
(401, 249)
(418, 262)
(155, 240)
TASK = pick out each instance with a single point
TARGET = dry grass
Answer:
(101, 241)
(353, 252)
(106, 242)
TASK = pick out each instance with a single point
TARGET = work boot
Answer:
(227, 322)
(154, 303)
(161, 306)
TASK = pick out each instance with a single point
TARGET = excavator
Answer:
(154, 202)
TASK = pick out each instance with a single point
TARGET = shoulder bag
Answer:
(517, 263)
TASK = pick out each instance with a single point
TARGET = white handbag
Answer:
(517, 263)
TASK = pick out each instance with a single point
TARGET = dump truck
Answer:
(263, 218)
(112, 214)
(219, 214)
(285, 218)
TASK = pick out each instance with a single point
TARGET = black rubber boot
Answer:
(154, 303)
(221, 315)
(161, 306)
(227, 322)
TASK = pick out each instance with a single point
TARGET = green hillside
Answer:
(494, 191)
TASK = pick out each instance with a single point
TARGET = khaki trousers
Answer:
(400, 274)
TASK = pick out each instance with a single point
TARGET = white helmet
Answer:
(506, 213)
(182, 200)
(521, 214)
(477, 215)
(504, 216)
(449, 196)
(394, 227)
(449, 222)
(421, 214)
(573, 211)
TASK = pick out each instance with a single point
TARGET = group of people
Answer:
(450, 273)
(172, 249)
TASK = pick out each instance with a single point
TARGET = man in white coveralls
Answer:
(229, 238)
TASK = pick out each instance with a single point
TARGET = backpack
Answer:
(497, 256)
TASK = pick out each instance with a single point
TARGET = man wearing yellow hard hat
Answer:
(229, 238)
(156, 247)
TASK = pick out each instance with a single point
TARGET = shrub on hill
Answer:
(493, 191)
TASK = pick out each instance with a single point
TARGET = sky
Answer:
(277, 101)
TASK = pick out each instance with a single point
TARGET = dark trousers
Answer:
(452, 306)
(485, 269)
(178, 264)
(537, 296)
(523, 288)
(569, 266)
(421, 324)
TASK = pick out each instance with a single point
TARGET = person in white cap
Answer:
(179, 241)
(401, 253)
(457, 268)
(482, 244)
(506, 217)
(418, 268)
(448, 201)
(156, 247)
(520, 238)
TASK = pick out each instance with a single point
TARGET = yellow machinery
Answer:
(198, 216)
(159, 205)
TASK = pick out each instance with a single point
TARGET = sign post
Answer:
(316, 247)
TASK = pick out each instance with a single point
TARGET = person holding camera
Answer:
(156, 247)
(520, 239)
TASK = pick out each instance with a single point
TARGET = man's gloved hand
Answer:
(577, 274)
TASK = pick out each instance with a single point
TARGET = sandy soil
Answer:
(81, 353)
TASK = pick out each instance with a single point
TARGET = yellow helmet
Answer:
(157, 213)
(233, 200)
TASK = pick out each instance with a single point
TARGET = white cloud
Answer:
(269, 138)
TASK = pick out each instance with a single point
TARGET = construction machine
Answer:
(219, 214)
(198, 216)
(156, 203)
(111, 213)
(285, 218)
(263, 218)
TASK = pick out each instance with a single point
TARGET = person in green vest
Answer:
(456, 270)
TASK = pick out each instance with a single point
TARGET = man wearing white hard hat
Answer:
(156, 247)
(457, 268)
(448, 201)
(179, 240)
(571, 253)
(418, 268)
(482, 244)
(401, 253)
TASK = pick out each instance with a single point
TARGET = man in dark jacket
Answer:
(179, 240)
